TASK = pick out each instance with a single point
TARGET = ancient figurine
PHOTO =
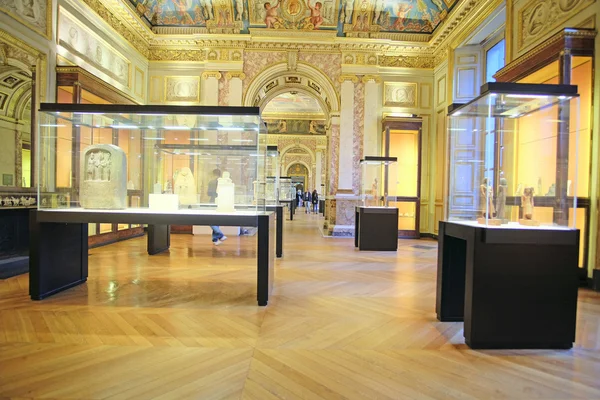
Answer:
(527, 203)
(225, 193)
(539, 184)
(501, 198)
(551, 190)
(90, 167)
(486, 200)
(185, 186)
(103, 184)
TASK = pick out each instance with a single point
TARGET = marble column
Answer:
(345, 198)
(371, 126)
(235, 80)
(318, 170)
(210, 88)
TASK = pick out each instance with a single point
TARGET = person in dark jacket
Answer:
(315, 201)
(307, 201)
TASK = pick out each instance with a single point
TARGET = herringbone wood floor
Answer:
(340, 325)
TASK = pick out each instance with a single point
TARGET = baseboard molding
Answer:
(14, 266)
(429, 235)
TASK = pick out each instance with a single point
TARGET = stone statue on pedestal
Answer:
(185, 186)
(501, 199)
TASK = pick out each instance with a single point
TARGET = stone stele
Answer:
(103, 181)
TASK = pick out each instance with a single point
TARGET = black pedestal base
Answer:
(514, 288)
(159, 238)
(376, 228)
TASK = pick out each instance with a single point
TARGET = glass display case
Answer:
(374, 188)
(205, 158)
(288, 190)
(272, 170)
(376, 222)
(513, 158)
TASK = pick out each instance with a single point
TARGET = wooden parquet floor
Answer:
(341, 324)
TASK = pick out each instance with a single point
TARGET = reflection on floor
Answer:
(341, 325)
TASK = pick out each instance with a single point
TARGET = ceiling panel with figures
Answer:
(344, 16)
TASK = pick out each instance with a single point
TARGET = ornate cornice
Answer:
(348, 77)
(371, 78)
(127, 32)
(211, 74)
(235, 74)
(543, 48)
(162, 54)
(407, 62)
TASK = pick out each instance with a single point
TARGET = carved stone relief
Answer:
(400, 94)
(32, 13)
(85, 44)
(103, 182)
(182, 89)
(541, 16)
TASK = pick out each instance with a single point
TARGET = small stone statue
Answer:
(501, 199)
(551, 190)
(527, 203)
(225, 193)
(486, 200)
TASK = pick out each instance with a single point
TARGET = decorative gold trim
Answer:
(170, 54)
(348, 77)
(239, 75)
(48, 33)
(371, 78)
(402, 61)
(211, 74)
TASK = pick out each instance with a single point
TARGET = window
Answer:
(494, 60)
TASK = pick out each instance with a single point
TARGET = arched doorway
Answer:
(300, 176)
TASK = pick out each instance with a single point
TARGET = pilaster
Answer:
(236, 80)
(210, 88)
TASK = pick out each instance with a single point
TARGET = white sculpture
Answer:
(185, 187)
(102, 183)
(157, 188)
(225, 193)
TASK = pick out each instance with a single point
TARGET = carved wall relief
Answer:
(400, 94)
(103, 177)
(542, 16)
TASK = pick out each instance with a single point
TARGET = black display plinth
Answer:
(278, 209)
(59, 251)
(514, 288)
(376, 228)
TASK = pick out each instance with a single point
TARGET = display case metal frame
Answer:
(513, 288)
(376, 228)
(58, 237)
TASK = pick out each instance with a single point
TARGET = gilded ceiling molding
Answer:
(158, 54)
(19, 50)
(348, 77)
(401, 61)
(129, 34)
(211, 74)
(371, 78)
(235, 74)
(459, 13)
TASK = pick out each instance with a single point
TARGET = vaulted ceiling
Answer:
(347, 17)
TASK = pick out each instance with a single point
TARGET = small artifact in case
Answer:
(103, 185)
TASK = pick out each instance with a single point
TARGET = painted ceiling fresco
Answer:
(343, 16)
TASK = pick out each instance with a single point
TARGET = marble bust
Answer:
(225, 193)
(102, 181)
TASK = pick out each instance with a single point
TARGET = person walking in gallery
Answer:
(217, 236)
(307, 201)
(315, 201)
(299, 198)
